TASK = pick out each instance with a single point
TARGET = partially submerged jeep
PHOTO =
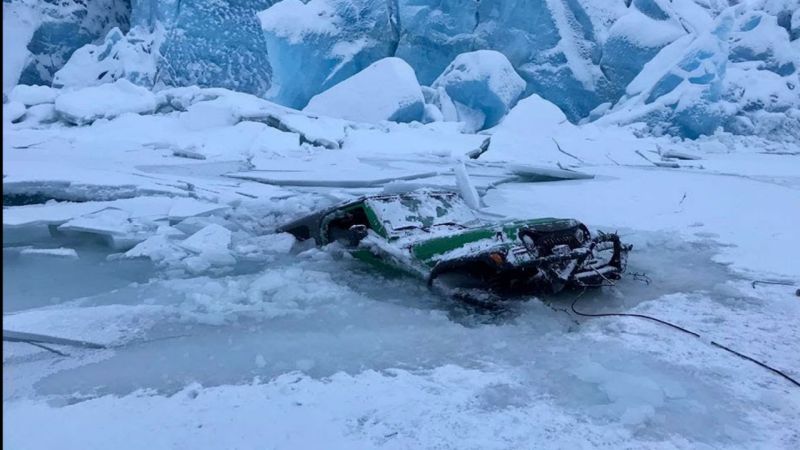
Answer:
(434, 235)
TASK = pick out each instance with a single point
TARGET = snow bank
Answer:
(484, 81)
(33, 95)
(526, 134)
(536, 132)
(13, 111)
(386, 90)
(41, 114)
(106, 101)
(209, 114)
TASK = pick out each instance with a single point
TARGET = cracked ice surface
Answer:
(224, 334)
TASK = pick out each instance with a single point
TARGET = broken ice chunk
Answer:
(154, 208)
(115, 225)
(183, 207)
(158, 248)
(263, 246)
(43, 113)
(484, 81)
(60, 252)
(13, 111)
(211, 247)
(386, 90)
(86, 105)
(628, 48)
(316, 44)
(211, 240)
(209, 114)
(33, 95)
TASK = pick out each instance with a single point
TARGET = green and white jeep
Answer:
(434, 235)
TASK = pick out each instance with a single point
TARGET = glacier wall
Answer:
(209, 43)
(64, 26)
(315, 45)
(741, 76)
(551, 43)
(683, 67)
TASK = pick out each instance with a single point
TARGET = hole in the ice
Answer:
(376, 321)
(23, 199)
(32, 282)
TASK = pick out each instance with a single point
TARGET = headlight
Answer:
(580, 235)
(498, 258)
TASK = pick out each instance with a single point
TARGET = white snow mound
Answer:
(534, 112)
(386, 90)
(84, 106)
(33, 95)
(13, 111)
(205, 115)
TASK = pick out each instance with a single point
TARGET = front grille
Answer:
(559, 239)
(546, 240)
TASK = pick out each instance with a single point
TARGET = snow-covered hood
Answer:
(432, 249)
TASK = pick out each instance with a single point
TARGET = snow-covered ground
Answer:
(152, 233)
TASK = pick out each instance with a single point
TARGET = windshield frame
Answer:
(406, 213)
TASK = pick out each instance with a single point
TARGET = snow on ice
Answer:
(86, 105)
(33, 95)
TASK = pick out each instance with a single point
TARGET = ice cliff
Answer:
(170, 43)
(683, 67)
(43, 34)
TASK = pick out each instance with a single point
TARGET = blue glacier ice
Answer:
(177, 43)
(679, 92)
(551, 43)
(763, 81)
(741, 76)
(686, 67)
(635, 38)
(391, 87)
(133, 57)
(315, 45)
(435, 32)
(758, 37)
(484, 81)
(208, 42)
(65, 26)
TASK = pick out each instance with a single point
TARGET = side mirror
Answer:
(356, 233)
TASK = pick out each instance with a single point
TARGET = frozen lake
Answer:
(322, 316)
(221, 333)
